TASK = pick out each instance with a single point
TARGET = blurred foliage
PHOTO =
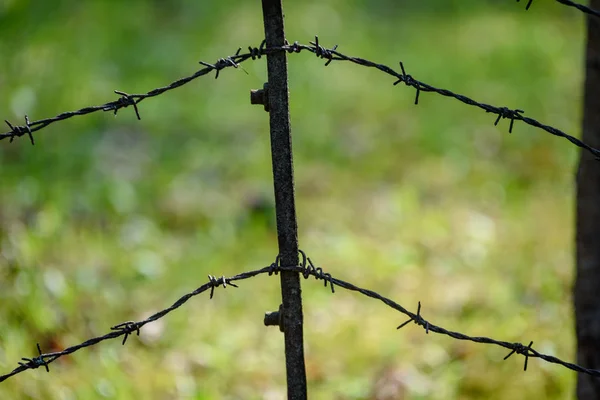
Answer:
(109, 219)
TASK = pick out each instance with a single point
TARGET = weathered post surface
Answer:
(283, 178)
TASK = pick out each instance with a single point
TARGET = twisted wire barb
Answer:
(307, 269)
(570, 3)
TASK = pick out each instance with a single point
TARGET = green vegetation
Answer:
(109, 219)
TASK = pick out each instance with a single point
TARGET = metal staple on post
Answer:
(283, 179)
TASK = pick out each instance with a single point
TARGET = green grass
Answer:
(110, 219)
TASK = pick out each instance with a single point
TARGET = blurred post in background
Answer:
(587, 283)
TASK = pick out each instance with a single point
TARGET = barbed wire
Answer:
(126, 328)
(330, 55)
(307, 269)
(570, 3)
(580, 7)
(402, 77)
(127, 100)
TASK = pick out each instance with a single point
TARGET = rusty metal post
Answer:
(283, 177)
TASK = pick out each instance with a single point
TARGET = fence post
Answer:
(283, 179)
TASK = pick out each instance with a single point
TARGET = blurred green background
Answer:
(110, 219)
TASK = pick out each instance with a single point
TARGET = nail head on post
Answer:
(260, 96)
(275, 318)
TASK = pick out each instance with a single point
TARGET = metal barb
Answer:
(409, 81)
(293, 48)
(528, 4)
(505, 112)
(309, 269)
(254, 52)
(16, 131)
(124, 101)
(127, 328)
(214, 282)
(417, 319)
(320, 51)
(519, 348)
(33, 363)
(222, 63)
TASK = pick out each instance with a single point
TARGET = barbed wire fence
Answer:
(277, 106)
